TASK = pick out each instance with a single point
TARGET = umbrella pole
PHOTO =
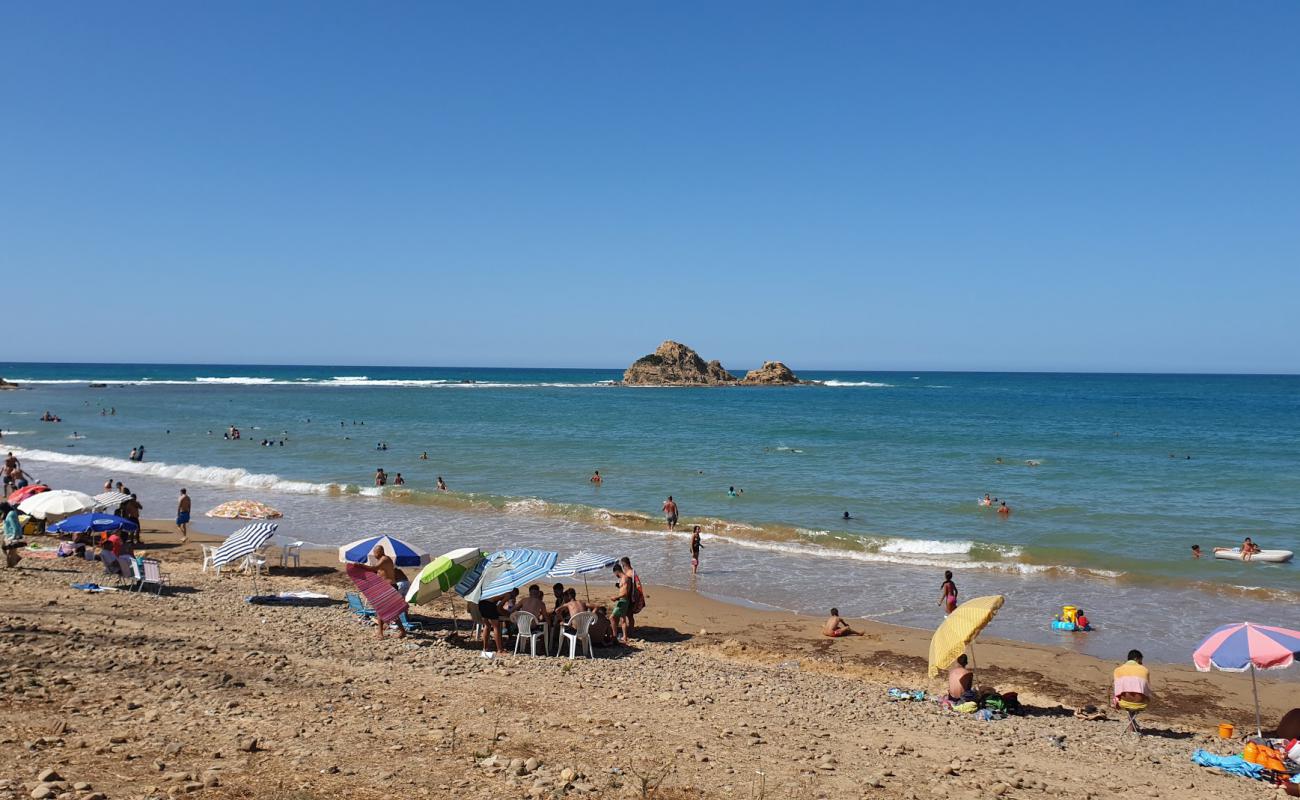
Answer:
(586, 588)
(1259, 727)
(971, 647)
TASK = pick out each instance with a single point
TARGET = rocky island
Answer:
(675, 364)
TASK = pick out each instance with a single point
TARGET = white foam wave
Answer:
(527, 505)
(193, 473)
(236, 381)
(343, 381)
(926, 547)
(16, 433)
(871, 384)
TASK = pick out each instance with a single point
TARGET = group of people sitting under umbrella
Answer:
(605, 630)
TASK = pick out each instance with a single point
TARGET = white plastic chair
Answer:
(524, 621)
(149, 570)
(209, 552)
(581, 633)
(253, 562)
(291, 553)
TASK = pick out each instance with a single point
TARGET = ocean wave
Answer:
(870, 384)
(926, 547)
(195, 473)
(341, 381)
(929, 553)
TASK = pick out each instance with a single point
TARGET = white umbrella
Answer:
(56, 504)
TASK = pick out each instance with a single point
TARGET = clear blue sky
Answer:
(1060, 186)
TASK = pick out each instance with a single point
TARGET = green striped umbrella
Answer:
(442, 573)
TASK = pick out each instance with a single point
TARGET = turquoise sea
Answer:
(1111, 478)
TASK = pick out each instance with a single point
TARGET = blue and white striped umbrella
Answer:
(505, 570)
(403, 554)
(581, 564)
(244, 541)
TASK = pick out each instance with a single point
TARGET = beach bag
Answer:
(638, 596)
(994, 702)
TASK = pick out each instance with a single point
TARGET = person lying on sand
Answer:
(836, 627)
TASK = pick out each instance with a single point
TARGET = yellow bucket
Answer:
(1069, 613)
(1225, 730)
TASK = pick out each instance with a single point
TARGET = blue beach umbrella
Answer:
(505, 570)
(96, 523)
(403, 554)
(583, 563)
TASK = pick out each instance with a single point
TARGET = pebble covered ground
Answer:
(122, 695)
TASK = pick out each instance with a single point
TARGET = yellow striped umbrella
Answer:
(244, 509)
(960, 629)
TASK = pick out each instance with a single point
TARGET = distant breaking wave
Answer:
(357, 381)
(772, 537)
(870, 384)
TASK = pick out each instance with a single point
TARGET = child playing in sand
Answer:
(836, 627)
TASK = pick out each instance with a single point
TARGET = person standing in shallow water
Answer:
(670, 513)
(696, 544)
(183, 516)
(948, 594)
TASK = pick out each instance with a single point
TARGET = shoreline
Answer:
(775, 537)
(904, 649)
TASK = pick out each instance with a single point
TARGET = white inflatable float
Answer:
(1268, 556)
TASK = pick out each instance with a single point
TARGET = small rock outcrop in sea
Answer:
(772, 373)
(4, 384)
(675, 364)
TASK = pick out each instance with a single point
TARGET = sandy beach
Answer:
(197, 692)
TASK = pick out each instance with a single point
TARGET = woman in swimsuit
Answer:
(948, 594)
(696, 544)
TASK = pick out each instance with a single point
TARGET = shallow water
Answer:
(1104, 521)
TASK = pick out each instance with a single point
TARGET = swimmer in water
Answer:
(731, 491)
(987, 501)
(1004, 508)
(424, 456)
(1196, 551)
(442, 487)
(846, 516)
(595, 478)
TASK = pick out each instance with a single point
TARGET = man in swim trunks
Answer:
(183, 516)
(622, 602)
(670, 514)
(836, 627)
(961, 681)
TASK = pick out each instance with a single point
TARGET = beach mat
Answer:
(291, 599)
(383, 598)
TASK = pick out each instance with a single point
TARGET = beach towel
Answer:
(92, 587)
(291, 599)
(1235, 765)
(906, 694)
(384, 599)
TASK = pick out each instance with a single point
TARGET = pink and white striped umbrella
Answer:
(1245, 646)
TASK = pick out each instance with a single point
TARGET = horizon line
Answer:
(621, 369)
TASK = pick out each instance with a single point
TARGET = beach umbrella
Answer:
(582, 563)
(19, 495)
(959, 630)
(383, 598)
(244, 509)
(403, 554)
(243, 542)
(56, 504)
(442, 573)
(93, 523)
(110, 499)
(1245, 646)
(505, 570)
